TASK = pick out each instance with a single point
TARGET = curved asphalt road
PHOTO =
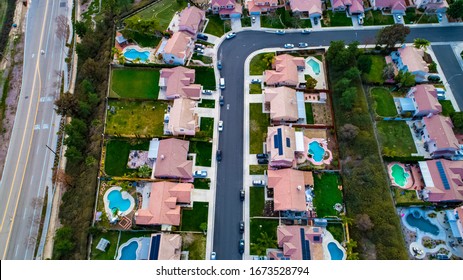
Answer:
(229, 208)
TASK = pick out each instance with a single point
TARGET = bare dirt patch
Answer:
(321, 114)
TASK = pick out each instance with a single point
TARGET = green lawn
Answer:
(447, 107)
(134, 83)
(376, 72)
(284, 19)
(193, 218)
(257, 201)
(202, 183)
(117, 155)
(258, 65)
(136, 118)
(206, 127)
(258, 123)
(335, 19)
(205, 76)
(337, 231)
(257, 169)
(326, 194)
(377, 18)
(203, 58)
(203, 151)
(217, 26)
(255, 88)
(207, 103)
(259, 226)
(406, 197)
(163, 11)
(146, 41)
(196, 248)
(246, 21)
(395, 138)
(383, 102)
(111, 249)
(309, 113)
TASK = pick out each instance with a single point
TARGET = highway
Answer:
(28, 165)
(229, 208)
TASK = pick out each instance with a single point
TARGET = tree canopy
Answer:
(391, 35)
(455, 10)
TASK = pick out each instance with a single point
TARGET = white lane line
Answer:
(16, 250)
(25, 212)
(45, 126)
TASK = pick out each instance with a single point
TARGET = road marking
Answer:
(228, 106)
(46, 99)
(25, 212)
(45, 126)
(16, 250)
(22, 145)
(37, 126)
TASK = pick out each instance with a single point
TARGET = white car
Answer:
(213, 256)
(258, 183)
(230, 35)
(399, 17)
(220, 125)
(289, 46)
(303, 45)
(256, 81)
(200, 174)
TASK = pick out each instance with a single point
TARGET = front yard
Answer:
(395, 138)
(205, 76)
(331, 19)
(203, 151)
(207, 103)
(258, 123)
(217, 26)
(447, 107)
(260, 63)
(117, 155)
(195, 244)
(202, 183)
(283, 18)
(134, 83)
(257, 201)
(375, 76)
(415, 16)
(206, 127)
(255, 89)
(263, 235)
(193, 218)
(383, 102)
(257, 169)
(377, 18)
(327, 194)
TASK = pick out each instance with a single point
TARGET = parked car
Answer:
(288, 46)
(202, 37)
(221, 101)
(253, 19)
(222, 83)
(201, 46)
(305, 31)
(315, 20)
(230, 35)
(360, 20)
(241, 195)
(213, 256)
(259, 156)
(399, 17)
(262, 161)
(218, 155)
(199, 50)
(220, 125)
(303, 45)
(200, 174)
(280, 32)
(241, 227)
(241, 246)
(207, 92)
(219, 65)
(439, 17)
(256, 81)
(258, 183)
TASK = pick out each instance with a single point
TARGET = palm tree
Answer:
(421, 43)
(263, 243)
(136, 60)
(350, 246)
(144, 171)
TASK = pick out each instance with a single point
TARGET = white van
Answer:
(222, 83)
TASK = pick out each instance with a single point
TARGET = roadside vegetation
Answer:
(6, 22)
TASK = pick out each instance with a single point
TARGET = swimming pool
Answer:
(335, 252)
(116, 201)
(316, 151)
(315, 66)
(133, 54)
(418, 221)
(129, 251)
(399, 175)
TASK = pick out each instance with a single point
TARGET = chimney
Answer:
(162, 157)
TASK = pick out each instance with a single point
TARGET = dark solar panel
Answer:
(305, 246)
(443, 177)
(154, 249)
(288, 142)
(277, 139)
(316, 238)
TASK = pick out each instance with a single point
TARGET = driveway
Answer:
(236, 24)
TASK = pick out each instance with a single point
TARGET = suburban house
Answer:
(353, 7)
(286, 105)
(171, 160)
(178, 48)
(298, 243)
(421, 101)
(286, 71)
(165, 246)
(289, 195)
(390, 6)
(443, 180)
(191, 20)
(281, 146)
(437, 133)
(455, 220)
(306, 8)
(410, 59)
(178, 82)
(432, 6)
(162, 202)
(258, 7)
(183, 119)
(226, 8)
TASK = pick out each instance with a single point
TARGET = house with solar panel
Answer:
(165, 246)
(284, 144)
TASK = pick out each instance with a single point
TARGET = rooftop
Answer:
(172, 160)
(286, 70)
(289, 188)
(283, 103)
(443, 180)
(178, 82)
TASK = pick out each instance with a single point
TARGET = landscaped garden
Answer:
(383, 102)
(257, 169)
(205, 76)
(375, 75)
(134, 83)
(216, 26)
(206, 127)
(193, 218)
(203, 151)
(258, 123)
(255, 88)
(377, 18)
(117, 154)
(447, 107)
(406, 197)
(136, 118)
(335, 19)
(395, 138)
(336, 229)
(261, 62)
(163, 11)
(201, 183)
(195, 244)
(309, 113)
(327, 194)
(283, 18)
(111, 249)
(257, 201)
(205, 59)
(416, 16)
(207, 103)
(263, 235)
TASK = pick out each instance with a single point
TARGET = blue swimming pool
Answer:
(133, 54)
(116, 201)
(316, 151)
(335, 252)
(129, 251)
(315, 66)
(421, 223)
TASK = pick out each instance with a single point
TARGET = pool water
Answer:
(335, 252)
(315, 66)
(422, 224)
(316, 151)
(399, 174)
(129, 252)
(116, 201)
(133, 54)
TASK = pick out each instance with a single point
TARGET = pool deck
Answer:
(327, 239)
(125, 195)
(321, 80)
(324, 145)
(414, 179)
(140, 49)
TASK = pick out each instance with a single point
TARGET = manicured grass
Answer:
(271, 21)
(447, 107)
(202, 183)
(117, 155)
(110, 252)
(207, 103)
(257, 201)
(376, 72)
(205, 76)
(255, 89)
(258, 65)
(326, 193)
(309, 113)
(337, 231)
(134, 83)
(414, 16)
(383, 102)
(423, 19)
(259, 226)
(406, 197)
(395, 138)
(193, 218)
(196, 248)
(207, 127)
(258, 123)
(203, 58)
(144, 40)
(257, 169)
(163, 11)
(203, 151)
(336, 19)
(377, 18)
(284, 19)
(136, 118)
(217, 26)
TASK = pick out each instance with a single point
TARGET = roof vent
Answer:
(162, 157)
(299, 188)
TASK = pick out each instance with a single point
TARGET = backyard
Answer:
(193, 218)
(335, 19)
(257, 201)
(206, 127)
(258, 123)
(260, 63)
(375, 76)
(309, 113)
(377, 18)
(217, 26)
(263, 235)
(406, 197)
(205, 77)
(326, 194)
(163, 11)
(383, 102)
(255, 89)
(203, 151)
(136, 118)
(112, 237)
(395, 138)
(117, 154)
(135, 83)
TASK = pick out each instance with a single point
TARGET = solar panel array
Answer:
(443, 177)
(305, 246)
(154, 249)
(277, 141)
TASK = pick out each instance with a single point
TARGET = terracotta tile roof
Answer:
(440, 130)
(172, 160)
(311, 6)
(170, 246)
(281, 143)
(179, 45)
(182, 118)
(190, 19)
(438, 191)
(283, 103)
(426, 98)
(286, 70)
(392, 4)
(179, 83)
(289, 239)
(413, 58)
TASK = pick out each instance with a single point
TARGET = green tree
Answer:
(203, 227)
(421, 43)
(364, 63)
(405, 79)
(352, 73)
(455, 9)
(391, 35)
(81, 28)
(143, 26)
(264, 241)
(72, 154)
(389, 71)
(341, 57)
(348, 132)
(348, 98)
(457, 120)
(341, 85)
(351, 255)
(311, 83)
(63, 243)
(67, 104)
(144, 171)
